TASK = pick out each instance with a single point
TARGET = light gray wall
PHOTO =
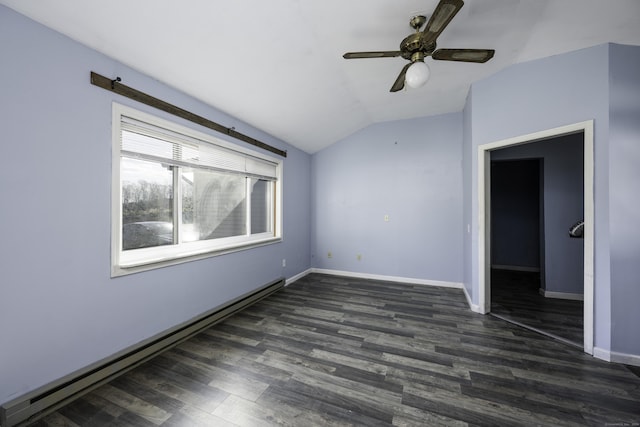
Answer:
(624, 187)
(410, 170)
(59, 308)
(563, 206)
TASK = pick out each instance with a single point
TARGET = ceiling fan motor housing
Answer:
(415, 43)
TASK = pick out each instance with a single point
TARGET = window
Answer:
(179, 194)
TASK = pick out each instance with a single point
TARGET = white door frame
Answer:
(484, 219)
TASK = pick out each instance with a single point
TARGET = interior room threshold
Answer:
(539, 331)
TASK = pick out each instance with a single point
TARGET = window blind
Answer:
(147, 141)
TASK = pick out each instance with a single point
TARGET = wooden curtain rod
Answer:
(117, 87)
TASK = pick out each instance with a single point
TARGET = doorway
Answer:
(523, 291)
(585, 130)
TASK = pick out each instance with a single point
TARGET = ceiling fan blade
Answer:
(381, 54)
(399, 83)
(463, 55)
(444, 13)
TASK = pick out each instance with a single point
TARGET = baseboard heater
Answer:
(38, 403)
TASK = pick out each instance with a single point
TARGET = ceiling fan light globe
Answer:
(417, 74)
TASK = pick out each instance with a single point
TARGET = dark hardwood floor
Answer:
(515, 297)
(335, 351)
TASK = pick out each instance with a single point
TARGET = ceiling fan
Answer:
(421, 44)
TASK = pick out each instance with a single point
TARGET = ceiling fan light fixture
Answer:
(417, 74)
(421, 44)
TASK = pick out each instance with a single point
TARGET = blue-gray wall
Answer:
(59, 308)
(61, 311)
(596, 84)
(469, 261)
(624, 203)
(563, 206)
(540, 95)
(410, 170)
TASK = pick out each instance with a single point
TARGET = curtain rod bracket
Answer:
(113, 82)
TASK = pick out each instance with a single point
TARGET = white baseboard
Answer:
(410, 280)
(614, 356)
(515, 268)
(561, 295)
(298, 276)
(627, 359)
(474, 307)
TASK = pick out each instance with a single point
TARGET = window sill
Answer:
(152, 264)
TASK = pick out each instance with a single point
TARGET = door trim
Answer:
(484, 219)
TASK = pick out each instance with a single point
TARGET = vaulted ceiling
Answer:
(278, 64)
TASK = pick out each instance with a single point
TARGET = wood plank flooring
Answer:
(515, 297)
(334, 351)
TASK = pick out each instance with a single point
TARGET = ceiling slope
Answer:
(278, 65)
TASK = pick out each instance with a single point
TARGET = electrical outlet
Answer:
(284, 262)
(359, 257)
(386, 218)
(329, 254)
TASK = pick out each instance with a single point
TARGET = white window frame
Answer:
(137, 260)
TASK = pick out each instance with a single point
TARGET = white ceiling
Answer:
(278, 64)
